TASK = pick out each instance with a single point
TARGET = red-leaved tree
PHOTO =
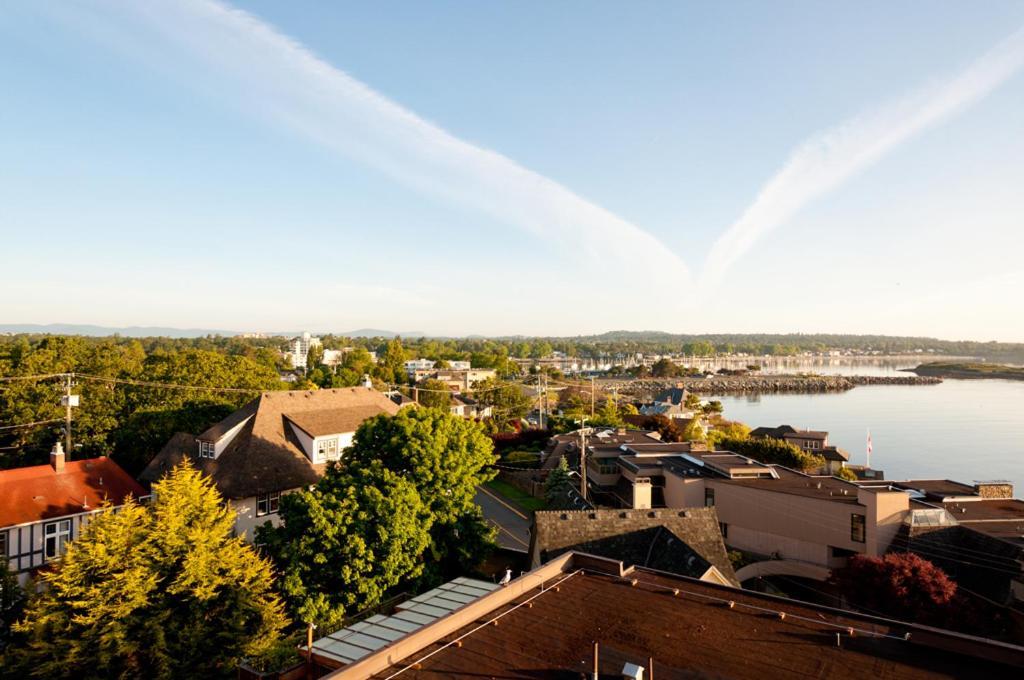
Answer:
(899, 585)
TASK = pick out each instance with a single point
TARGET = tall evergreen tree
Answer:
(162, 591)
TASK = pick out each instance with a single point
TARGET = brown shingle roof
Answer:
(687, 628)
(333, 421)
(265, 455)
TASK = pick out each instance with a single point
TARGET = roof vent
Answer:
(631, 671)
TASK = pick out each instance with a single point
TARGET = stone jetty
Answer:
(738, 384)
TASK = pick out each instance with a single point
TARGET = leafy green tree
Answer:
(434, 394)
(693, 431)
(607, 415)
(713, 407)
(664, 368)
(847, 474)
(727, 429)
(342, 545)
(391, 367)
(446, 458)
(773, 451)
(314, 357)
(692, 401)
(575, 402)
(506, 399)
(162, 591)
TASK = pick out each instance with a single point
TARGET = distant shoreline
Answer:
(968, 371)
(763, 384)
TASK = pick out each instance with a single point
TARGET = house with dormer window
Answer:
(279, 442)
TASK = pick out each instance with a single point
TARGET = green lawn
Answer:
(515, 496)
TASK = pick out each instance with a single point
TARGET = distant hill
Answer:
(168, 332)
(127, 331)
(377, 333)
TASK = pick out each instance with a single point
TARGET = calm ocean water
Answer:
(965, 430)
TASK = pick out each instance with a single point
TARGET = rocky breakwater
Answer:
(722, 384)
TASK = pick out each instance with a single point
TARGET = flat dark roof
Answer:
(790, 482)
(693, 631)
(939, 488)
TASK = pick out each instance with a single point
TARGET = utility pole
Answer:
(583, 457)
(543, 397)
(68, 400)
(591, 396)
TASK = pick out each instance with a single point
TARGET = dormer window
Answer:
(206, 449)
(326, 449)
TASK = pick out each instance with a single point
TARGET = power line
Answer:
(144, 383)
(38, 422)
(45, 376)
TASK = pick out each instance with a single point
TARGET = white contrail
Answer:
(280, 78)
(828, 159)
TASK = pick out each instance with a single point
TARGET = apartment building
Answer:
(766, 510)
(298, 349)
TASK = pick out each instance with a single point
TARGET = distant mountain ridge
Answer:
(168, 332)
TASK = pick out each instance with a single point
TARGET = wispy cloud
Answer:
(828, 159)
(275, 76)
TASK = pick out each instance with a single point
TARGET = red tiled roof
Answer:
(34, 493)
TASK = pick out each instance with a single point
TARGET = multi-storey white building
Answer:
(298, 349)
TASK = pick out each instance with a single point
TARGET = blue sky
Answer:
(496, 168)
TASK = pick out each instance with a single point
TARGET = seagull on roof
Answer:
(507, 578)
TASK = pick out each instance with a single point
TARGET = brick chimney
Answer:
(57, 458)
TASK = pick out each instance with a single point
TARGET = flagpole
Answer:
(869, 449)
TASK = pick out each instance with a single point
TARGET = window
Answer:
(327, 449)
(724, 528)
(56, 534)
(857, 528)
(205, 449)
(3, 544)
(709, 498)
(268, 503)
(607, 466)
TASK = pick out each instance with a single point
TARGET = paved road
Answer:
(513, 524)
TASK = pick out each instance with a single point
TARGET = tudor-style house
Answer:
(280, 442)
(45, 506)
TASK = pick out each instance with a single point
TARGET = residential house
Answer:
(588, 616)
(670, 403)
(462, 380)
(277, 443)
(42, 507)
(467, 407)
(810, 441)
